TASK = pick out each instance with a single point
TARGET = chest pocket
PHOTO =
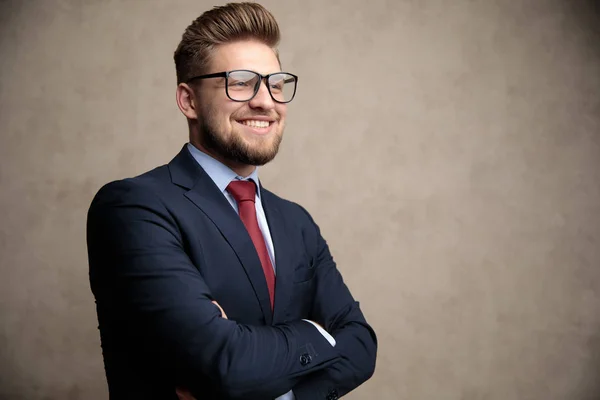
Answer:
(304, 272)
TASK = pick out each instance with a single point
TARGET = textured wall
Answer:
(450, 151)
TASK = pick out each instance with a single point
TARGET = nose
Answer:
(263, 99)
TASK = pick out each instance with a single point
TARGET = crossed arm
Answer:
(140, 272)
(340, 315)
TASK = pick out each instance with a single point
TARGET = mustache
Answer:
(273, 116)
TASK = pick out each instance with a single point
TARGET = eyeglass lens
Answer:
(242, 85)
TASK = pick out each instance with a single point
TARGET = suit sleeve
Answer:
(338, 312)
(147, 288)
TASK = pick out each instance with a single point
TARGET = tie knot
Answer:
(242, 190)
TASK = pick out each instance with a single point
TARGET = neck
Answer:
(242, 170)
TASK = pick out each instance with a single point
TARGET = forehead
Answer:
(247, 54)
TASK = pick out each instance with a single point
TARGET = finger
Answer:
(223, 315)
(184, 394)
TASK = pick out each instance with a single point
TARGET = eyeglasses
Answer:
(242, 85)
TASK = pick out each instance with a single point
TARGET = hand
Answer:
(184, 394)
(223, 315)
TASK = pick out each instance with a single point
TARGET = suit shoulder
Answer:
(136, 188)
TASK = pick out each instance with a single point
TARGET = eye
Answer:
(276, 85)
(238, 83)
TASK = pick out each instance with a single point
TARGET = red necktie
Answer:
(243, 192)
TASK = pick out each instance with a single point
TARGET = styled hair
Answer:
(223, 24)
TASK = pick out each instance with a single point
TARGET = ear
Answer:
(187, 101)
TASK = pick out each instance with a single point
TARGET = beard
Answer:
(233, 147)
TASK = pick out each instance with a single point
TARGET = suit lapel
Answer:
(203, 192)
(283, 253)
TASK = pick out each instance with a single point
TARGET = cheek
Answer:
(282, 111)
(234, 111)
(223, 113)
(220, 120)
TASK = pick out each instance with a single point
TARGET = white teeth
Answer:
(256, 124)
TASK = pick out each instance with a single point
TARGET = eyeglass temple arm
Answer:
(215, 75)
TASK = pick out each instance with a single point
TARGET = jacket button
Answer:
(333, 395)
(305, 359)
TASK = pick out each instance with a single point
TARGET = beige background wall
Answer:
(450, 151)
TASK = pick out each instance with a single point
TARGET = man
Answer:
(207, 285)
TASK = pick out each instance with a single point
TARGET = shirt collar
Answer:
(221, 174)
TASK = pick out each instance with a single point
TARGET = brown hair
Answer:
(222, 24)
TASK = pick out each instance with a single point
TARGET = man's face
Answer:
(242, 133)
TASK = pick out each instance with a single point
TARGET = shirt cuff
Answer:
(323, 332)
(288, 396)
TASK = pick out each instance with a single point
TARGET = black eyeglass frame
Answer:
(225, 74)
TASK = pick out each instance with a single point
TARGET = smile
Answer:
(255, 123)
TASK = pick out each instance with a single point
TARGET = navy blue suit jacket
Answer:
(163, 245)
